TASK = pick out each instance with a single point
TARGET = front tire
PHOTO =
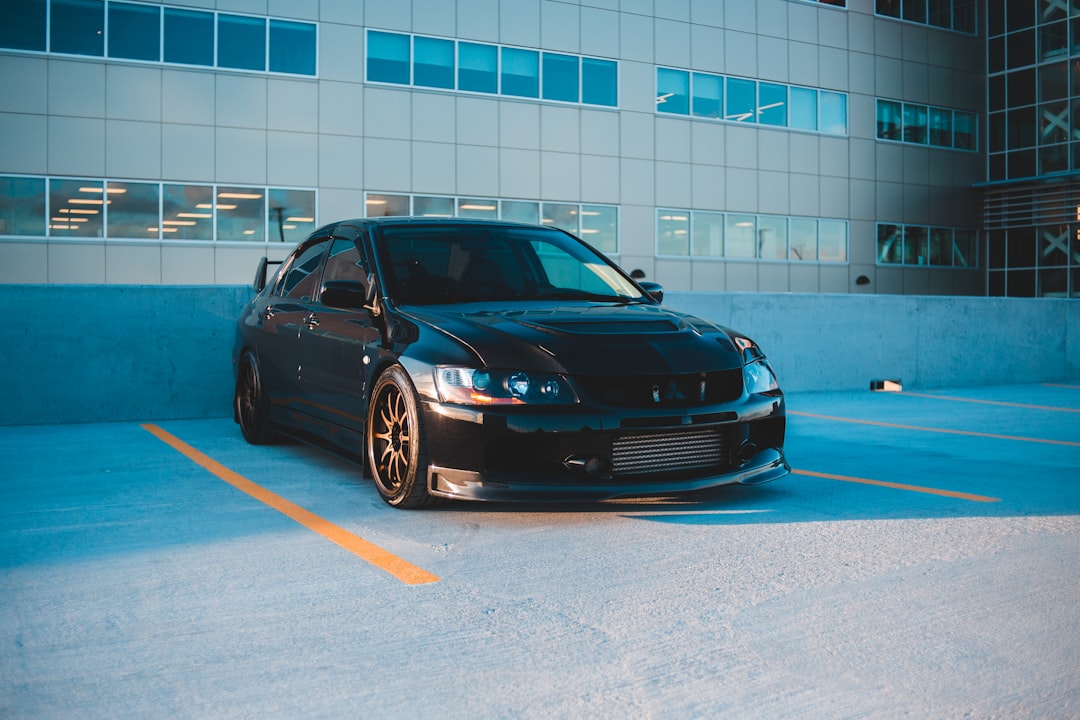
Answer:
(249, 403)
(396, 450)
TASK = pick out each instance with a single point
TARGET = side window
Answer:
(299, 280)
(345, 262)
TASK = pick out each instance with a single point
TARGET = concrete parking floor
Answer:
(922, 561)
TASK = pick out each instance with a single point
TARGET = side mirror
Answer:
(654, 290)
(344, 294)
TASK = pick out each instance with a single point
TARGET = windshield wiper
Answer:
(572, 294)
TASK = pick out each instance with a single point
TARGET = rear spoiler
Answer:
(260, 273)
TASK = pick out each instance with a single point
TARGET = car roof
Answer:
(421, 220)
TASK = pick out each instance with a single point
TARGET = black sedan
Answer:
(488, 360)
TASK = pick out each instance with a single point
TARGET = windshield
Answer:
(439, 264)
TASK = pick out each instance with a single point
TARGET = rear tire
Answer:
(396, 449)
(249, 402)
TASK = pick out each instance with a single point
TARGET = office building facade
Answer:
(777, 145)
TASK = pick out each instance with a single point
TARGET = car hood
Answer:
(587, 338)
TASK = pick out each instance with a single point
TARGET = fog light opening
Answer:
(746, 451)
(594, 465)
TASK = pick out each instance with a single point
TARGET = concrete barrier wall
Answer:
(102, 353)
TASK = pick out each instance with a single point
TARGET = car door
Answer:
(333, 345)
(282, 318)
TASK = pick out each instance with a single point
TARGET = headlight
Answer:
(759, 377)
(471, 386)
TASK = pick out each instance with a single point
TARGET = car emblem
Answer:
(671, 392)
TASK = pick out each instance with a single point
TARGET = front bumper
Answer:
(556, 454)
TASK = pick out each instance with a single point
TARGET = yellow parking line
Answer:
(403, 570)
(1026, 406)
(900, 486)
(947, 431)
(1062, 385)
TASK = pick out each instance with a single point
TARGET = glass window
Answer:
(560, 215)
(22, 206)
(940, 125)
(189, 37)
(708, 235)
(888, 120)
(478, 68)
(708, 95)
(344, 263)
(386, 205)
(433, 206)
(941, 245)
(388, 58)
(134, 31)
(560, 77)
(673, 232)
(291, 215)
(915, 10)
(803, 239)
(520, 72)
(300, 278)
(77, 27)
(241, 214)
(804, 110)
(292, 47)
(914, 123)
(520, 211)
(600, 227)
(132, 210)
(24, 26)
(433, 63)
(890, 8)
(740, 236)
(1053, 82)
(672, 91)
(76, 208)
(964, 131)
(599, 82)
(1054, 40)
(964, 16)
(832, 240)
(772, 238)
(477, 208)
(890, 243)
(1054, 124)
(916, 250)
(941, 13)
(187, 212)
(833, 113)
(965, 246)
(741, 100)
(772, 104)
(241, 42)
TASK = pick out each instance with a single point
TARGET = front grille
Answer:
(642, 391)
(667, 452)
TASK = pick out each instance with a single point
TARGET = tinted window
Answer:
(303, 272)
(478, 68)
(22, 206)
(241, 214)
(560, 77)
(189, 37)
(241, 42)
(672, 91)
(520, 72)
(292, 47)
(741, 100)
(344, 263)
(599, 82)
(388, 58)
(23, 27)
(134, 31)
(433, 63)
(77, 27)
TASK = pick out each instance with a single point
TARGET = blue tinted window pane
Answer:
(189, 37)
(22, 206)
(24, 25)
(520, 72)
(433, 63)
(672, 91)
(292, 47)
(478, 68)
(803, 108)
(833, 113)
(560, 77)
(772, 104)
(599, 82)
(241, 42)
(78, 27)
(134, 31)
(388, 58)
(741, 100)
(708, 91)
(914, 123)
(940, 125)
(964, 131)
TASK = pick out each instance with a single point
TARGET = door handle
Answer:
(311, 321)
(268, 312)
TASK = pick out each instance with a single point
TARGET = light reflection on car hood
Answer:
(585, 338)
